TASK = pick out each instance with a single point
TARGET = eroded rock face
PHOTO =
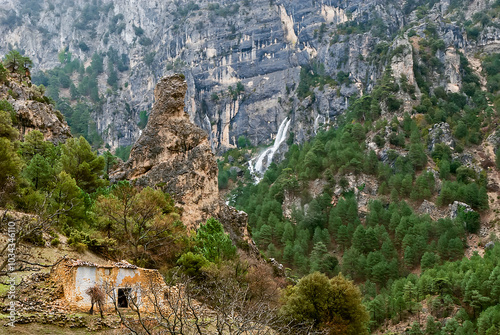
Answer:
(235, 223)
(32, 114)
(263, 44)
(494, 139)
(175, 154)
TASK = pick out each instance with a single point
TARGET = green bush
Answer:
(192, 264)
(145, 41)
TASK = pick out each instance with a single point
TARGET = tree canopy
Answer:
(330, 304)
(82, 164)
(213, 243)
(15, 62)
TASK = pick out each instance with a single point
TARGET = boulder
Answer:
(489, 245)
(454, 207)
(427, 207)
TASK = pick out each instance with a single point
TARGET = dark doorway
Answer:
(123, 294)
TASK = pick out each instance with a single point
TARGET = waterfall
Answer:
(209, 131)
(264, 160)
(316, 123)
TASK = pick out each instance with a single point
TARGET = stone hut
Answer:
(124, 284)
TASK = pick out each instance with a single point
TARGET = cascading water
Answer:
(317, 123)
(263, 161)
(209, 131)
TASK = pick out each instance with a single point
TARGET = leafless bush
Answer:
(97, 297)
(190, 307)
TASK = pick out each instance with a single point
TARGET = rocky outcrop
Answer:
(441, 133)
(456, 206)
(33, 111)
(494, 139)
(235, 223)
(39, 116)
(291, 202)
(427, 207)
(174, 154)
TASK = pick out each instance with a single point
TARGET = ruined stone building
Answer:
(121, 282)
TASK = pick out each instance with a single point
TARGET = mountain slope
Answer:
(248, 64)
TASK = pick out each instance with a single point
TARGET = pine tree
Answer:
(415, 329)
(410, 297)
(417, 156)
(6, 128)
(288, 252)
(10, 163)
(272, 251)
(265, 235)
(497, 158)
(144, 224)
(432, 327)
(358, 239)
(429, 259)
(354, 263)
(213, 243)
(34, 143)
(15, 62)
(444, 169)
(10, 166)
(3, 73)
(288, 233)
(110, 160)
(316, 259)
(82, 164)
(38, 171)
(67, 196)
(343, 237)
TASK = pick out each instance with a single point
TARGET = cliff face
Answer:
(174, 154)
(264, 45)
(33, 112)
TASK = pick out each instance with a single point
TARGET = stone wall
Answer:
(77, 276)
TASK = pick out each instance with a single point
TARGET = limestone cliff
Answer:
(262, 44)
(174, 154)
(33, 111)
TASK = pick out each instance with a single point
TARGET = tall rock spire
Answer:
(175, 154)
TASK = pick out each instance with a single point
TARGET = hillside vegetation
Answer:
(350, 201)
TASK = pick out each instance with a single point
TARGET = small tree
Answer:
(16, 62)
(497, 158)
(144, 222)
(110, 160)
(213, 243)
(3, 73)
(81, 163)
